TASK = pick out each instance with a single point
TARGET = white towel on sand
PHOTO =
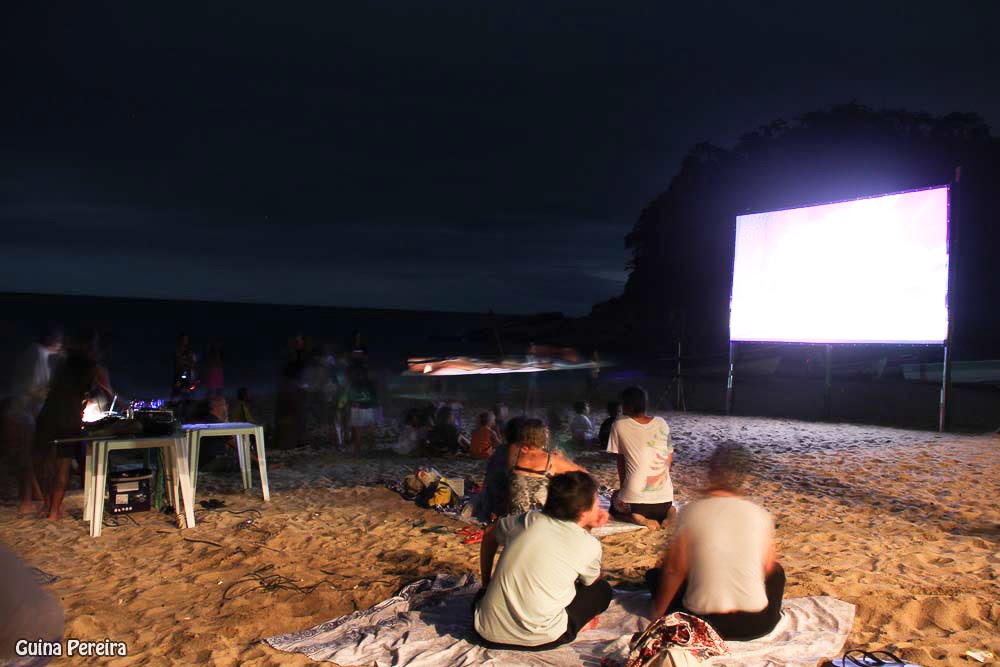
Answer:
(429, 624)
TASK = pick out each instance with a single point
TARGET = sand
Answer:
(903, 524)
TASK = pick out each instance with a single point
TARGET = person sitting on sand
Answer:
(547, 586)
(413, 436)
(581, 428)
(443, 439)
(214, 451)
(497, 478)
(241, 409)
(614, 409)
(532, 463)
(720, 564)
(486, 438)
(645, 454)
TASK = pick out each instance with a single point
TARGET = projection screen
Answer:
(871, 270)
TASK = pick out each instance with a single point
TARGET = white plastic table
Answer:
(96, 473)
(242, 431)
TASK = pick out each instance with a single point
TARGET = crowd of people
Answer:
(60, 381)
(720, 564)
(540, 505)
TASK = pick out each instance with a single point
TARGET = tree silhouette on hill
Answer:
(683, 242)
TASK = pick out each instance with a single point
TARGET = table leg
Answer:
(194, 450)
(243, 447)
(169, 478)
(100, 481)
(184, 475)
(262, 463)
(239, 457)
(88, 484)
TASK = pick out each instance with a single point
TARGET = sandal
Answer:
(475, 538)
(859, 658)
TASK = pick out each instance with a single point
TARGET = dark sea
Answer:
(138, 335)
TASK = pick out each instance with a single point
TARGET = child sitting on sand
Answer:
(413, 436)
(581, 428)
(486, 438)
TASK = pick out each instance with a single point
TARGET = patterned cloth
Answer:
(527, 493)
(677, 630)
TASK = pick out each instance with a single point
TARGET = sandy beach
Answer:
(903, 524)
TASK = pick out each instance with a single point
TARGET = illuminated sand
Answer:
(903, 524)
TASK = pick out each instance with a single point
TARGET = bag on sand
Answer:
(675, 640)
(412, 486)
(436, 493)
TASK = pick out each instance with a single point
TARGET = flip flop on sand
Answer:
(475, 538)
(859, 658)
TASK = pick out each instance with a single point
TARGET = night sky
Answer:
(440, 156)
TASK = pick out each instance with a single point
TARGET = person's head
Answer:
(535, 433)
(512, 430)
(571, 496)
(51, 338)
(500, 412)
(217, 408)
(486, 418)
(614, 409)
(634, 401)
(86, 341)
(445, 415)
(183, 341)
(727, 467)
(243, 394)
(581, 407)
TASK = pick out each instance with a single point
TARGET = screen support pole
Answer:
(729, 378)
(953, 214)
(827, 377)
(945, 385)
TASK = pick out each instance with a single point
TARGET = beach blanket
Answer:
(429, 624)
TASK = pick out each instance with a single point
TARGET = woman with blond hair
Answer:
(530, 464)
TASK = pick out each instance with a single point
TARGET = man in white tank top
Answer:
(721, 564)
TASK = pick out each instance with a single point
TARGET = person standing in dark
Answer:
(185, 376)
(359, 353)
(78, 380)
(215, 377)
(364, 408)
(29, 387)
(290, 404)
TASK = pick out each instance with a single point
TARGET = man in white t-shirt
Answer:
(645, 454)
(547, 586)
(721, 564)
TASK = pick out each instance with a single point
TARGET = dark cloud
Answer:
(438, 155)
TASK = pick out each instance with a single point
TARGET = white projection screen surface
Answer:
(866, 271)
